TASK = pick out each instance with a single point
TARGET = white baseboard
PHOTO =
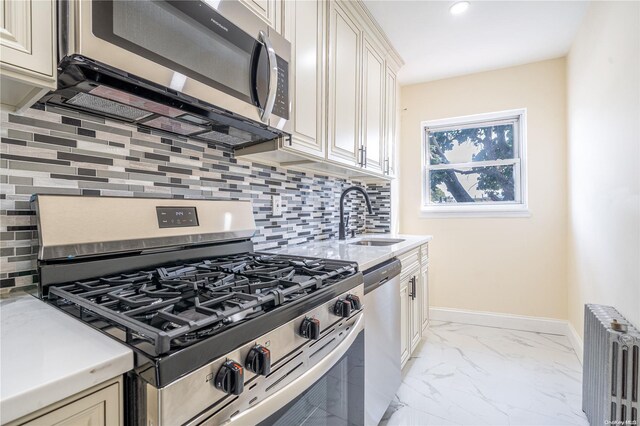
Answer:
(576, 340)
(493, 319)
(511, 322)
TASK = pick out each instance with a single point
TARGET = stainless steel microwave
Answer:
(208, 69)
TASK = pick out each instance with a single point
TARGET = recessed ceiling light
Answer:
(459, 7)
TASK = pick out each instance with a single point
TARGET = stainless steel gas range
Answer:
(221, 334)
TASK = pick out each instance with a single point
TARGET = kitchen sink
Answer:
(377, 242)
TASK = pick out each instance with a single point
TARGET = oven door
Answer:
(331, 393)
(215, 51)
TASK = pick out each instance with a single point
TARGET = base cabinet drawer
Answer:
(99, 406)
(410, 259)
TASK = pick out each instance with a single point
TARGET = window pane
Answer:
(473, 185)
(473, 144)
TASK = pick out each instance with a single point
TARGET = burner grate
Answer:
(177, 305)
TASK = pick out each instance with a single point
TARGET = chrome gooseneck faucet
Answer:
(345, 221)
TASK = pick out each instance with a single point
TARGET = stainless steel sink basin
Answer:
(377, 242)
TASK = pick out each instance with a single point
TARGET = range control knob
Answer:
(355, 301)
(230, 378)
(259, 360)
(342, 308)
(310, 328)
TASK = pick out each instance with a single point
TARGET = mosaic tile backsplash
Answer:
(64, 152)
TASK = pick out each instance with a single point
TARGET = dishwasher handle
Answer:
(378, 275)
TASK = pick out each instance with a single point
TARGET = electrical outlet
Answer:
(276, 205)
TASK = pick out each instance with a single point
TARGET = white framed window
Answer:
(475, 165)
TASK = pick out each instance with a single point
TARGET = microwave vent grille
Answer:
(95, 103)
(222, 137)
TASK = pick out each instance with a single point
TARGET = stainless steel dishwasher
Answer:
(382, 374)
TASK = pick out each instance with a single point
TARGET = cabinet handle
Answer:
(364, 157)
(361, 159)
(386, 166)
(413, 288)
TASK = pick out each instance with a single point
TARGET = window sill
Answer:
(443, 212)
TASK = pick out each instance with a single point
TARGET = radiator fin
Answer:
(610, 370)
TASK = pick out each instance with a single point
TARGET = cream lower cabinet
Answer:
(98, 406)
(27, 55)
(404, 321)
(414, 300)
(409, 311)
(415, 310)
(424, 287)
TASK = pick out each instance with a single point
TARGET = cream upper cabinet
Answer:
(27, 52)
(391, 126)
(373, 108)
(270, 11)
(304, 28)
(344, 87)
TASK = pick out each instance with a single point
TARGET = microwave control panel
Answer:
(281, 105)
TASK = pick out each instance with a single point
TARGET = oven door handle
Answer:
(270, 405)
(273, 76)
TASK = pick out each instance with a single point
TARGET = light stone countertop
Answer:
(46, 356)
(365, 256)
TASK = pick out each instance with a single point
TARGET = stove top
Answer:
(163, 309)
(177, 281)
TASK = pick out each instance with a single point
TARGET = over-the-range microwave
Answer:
(209, 69)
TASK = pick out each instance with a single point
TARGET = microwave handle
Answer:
(273, 76)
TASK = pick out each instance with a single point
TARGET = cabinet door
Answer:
(391, 119)
(424, 284)
(304, 27)
(344, 93)
(373, 107)
(99, 408)
(415, 308)
(26, 36)
(404, 321)
(270, 11)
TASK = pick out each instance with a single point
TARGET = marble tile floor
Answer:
(472, 375)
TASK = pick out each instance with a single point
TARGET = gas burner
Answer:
(177, 305)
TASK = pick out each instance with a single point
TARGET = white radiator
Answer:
(610, 370)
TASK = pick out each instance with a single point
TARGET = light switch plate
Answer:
(276, 205)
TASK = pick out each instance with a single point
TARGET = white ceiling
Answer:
(489, 35)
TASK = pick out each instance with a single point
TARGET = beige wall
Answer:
(603, 72)
(507, 265)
